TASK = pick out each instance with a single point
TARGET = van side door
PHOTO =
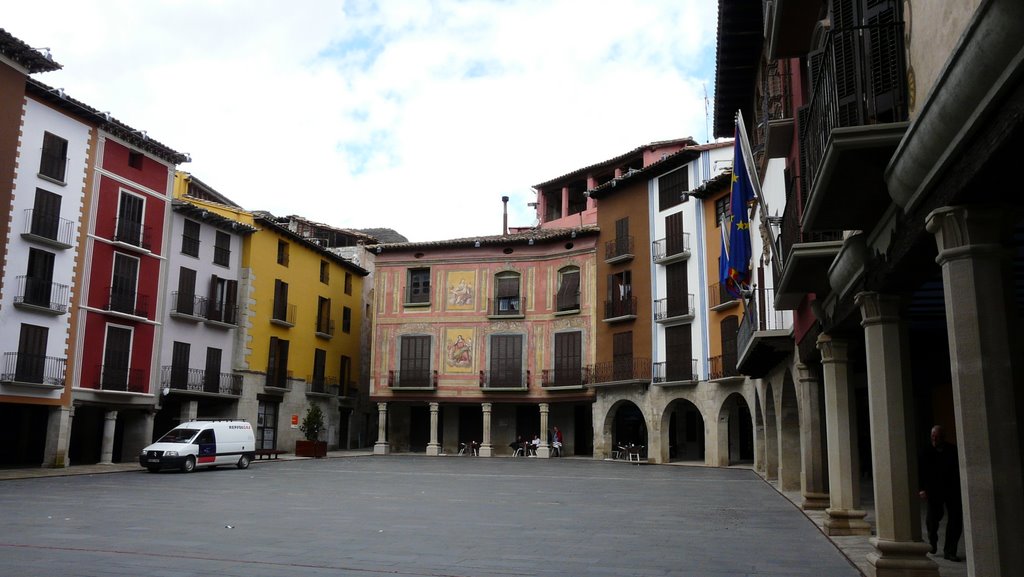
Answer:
(207, 442)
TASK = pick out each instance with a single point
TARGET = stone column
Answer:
(544, 450)
(58, 433)
(978, 295)
(813, 485)
(189, 411)
(107, 445)
(844, 518)
(382, 447)
(486, 449)
(433, 447)
(898, 547)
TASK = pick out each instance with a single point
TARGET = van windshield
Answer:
(178, 436)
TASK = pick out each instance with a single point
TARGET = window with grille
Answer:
(418, 288)
(190, 238)
(222, 249)
(723, 210)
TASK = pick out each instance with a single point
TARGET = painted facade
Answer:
(483, 340)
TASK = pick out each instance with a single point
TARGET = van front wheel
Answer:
(189, 465)
(243, 462)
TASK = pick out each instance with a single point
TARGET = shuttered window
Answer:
(568, 296)
(678, 353)
(46, 214)
(568, 358)
(671, 188)
(414, 364)
(506, 361)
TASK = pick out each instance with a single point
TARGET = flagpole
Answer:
(748, 157)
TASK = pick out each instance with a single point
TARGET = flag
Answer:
(738, 274)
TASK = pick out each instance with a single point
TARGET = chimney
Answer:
(504, 216)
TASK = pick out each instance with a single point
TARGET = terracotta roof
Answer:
(611, 161)
(221, 222)
(713, 185)
(268, 220)
(349, 231)
(674, 160)
(536, 235)
(136, 138)
(25, 55)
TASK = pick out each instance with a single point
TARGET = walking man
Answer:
(940, 486)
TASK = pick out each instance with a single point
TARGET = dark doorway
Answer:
(629, 427)
(22, 434)
(343, 420)
(583, 420)
(527, 421)
(471, 424)
(419, 428)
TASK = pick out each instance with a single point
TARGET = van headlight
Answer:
(170, 453)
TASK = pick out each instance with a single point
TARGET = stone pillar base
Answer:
(433, 449)
(815, 501)
(846, 522)
(900, 559)
(543, 452)
(486, 451)
(381, 449)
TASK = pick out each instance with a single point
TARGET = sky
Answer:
(412, 115)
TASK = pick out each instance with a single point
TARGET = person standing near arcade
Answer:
(940, 486)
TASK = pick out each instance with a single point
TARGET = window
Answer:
(622, 356)
(346, 320)
(506, 294)
(419, 286)
(346, 372)
(414, 361)
(675, 241)
(280, 301)
(190, 238)
(114, 374)
(671, 188)
(620, 295)
(135, 159)
(129, 226)
(622, 244)
(46, 215)
(222, 249)
(282, 253)
(568, 359)
(222, 306)
(319, 365)
(678, 289)
(54, 160)
(122, 285)
(180, 353)
(31, 363)
(678, 353)
(39, 280)
(186, 295)
(348, 283)
(277, 363)
(325, 272)
(266, 424)
(723, 210)
(568, 296)
(323, 316)
(211, 377)
(506, 361)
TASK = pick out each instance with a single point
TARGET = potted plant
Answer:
(312, 425)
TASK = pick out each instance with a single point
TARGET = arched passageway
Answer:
(736, 430)
(682, 432)
(624, 425)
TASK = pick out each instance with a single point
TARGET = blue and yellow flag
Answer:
(738, 270)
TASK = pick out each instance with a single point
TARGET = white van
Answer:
(201, 444)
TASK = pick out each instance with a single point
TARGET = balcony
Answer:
(765, 335)
(413, 380)
(42, 296)
(680, 371)
(33, 370)
(723, 367)
(278, 379)
(505, 380)
(618, 250)
(217, 314)
(565, 378)
(187, 306)
(773, 123)
(48, 229)
(325, 328)
(508, 307)
(131, 234)
(619, 310)
(627, 371)
(112, 378)
(672, 248)
(283, 314)
(200, 381)
(128, 303)
(322, 385)
(719, 299)
(670, 311)
(806, 256)
(849, 132)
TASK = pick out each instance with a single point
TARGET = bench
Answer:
(269, 453)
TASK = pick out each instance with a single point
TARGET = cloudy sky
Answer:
(413, 115)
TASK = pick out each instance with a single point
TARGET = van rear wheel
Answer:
(189, 465)
(243, 462)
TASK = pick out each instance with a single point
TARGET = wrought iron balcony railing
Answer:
(49, 226)
(127, 302)
(283, 313)
(675, 371)
(325, 327)
(670, 246)
(505, 379)
(44, 294)
(623, 370)
(573, 377)
(322, 385)
(187, 304)
(114, 378)
(722, 367)
(218, 312)
(508, 306)
(37, 369)
(133, 233)
(620, 308)
(412, 379)
(619, 248)
(278, 378)
(668, 308)
(717, 295)
(199, 380)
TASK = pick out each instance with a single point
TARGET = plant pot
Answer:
(315, 449)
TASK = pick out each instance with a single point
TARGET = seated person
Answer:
(534, 444)
(519, 443)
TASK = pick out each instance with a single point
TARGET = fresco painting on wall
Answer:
(461, 290)
(458, 346)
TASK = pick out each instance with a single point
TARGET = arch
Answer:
(735, 431)
(771, 435)
(682, 432)
(788, 436)
(624, 423)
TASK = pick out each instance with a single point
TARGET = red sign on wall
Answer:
(295, 420)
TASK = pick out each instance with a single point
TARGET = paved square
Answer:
(412, 516)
